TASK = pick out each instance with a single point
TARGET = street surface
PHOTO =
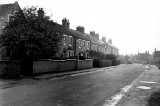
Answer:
(87, 89)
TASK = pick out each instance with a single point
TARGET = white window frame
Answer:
(15, 11)
(70, 53)
(70, 40)
(3, 26)
(9, 16)
(88, 44)
(84, 43)
(79, 43)
(64, 39)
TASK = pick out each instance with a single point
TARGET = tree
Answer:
(113, 58)
(30, 31)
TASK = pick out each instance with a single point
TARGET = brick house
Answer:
(6, 12)
(74, 42)
(144, 57)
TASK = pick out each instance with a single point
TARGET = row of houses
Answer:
(74, 42)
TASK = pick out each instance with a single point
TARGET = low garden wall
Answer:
(49, 65)
(9, 68)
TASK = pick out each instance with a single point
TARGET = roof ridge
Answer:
(7, 4)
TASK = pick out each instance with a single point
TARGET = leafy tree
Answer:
(113, 58)
(30, 31)
(96, 55)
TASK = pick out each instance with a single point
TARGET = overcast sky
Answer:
(133, 25)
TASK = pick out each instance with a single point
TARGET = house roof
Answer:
(5, 9)
(157, 54)
(77, 34)
(112, 45)
(80, 35)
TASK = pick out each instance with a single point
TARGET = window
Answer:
(79, 43)
(15, 12)
(83, 43)
(70, 53)
(96, 47)
(3, 26)
(64, 39)
(87, 44)
(99, 48)
(70, 40)
(10, 16)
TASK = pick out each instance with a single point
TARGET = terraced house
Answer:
(74, 42)
(77, 42)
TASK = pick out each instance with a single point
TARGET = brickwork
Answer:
(9, 68)
(46, 66)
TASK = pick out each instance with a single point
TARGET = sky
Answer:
(133, 25)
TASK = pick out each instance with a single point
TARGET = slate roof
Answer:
(77, 34)
(80, 35)
(6, 8)
(157, 54)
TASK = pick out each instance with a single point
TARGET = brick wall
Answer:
(46, 66)
(9, 68)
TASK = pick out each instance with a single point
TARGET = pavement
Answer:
(145, 90)
(62, 74)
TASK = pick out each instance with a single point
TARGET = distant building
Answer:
(144, 57)
(156, 57)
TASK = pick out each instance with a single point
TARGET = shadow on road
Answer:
(154, 99)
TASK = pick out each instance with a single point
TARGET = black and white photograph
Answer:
(79, 52)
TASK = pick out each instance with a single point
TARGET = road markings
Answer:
(115, 98)
(144, 87)
(149, 82)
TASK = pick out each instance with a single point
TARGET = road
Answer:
(87, 89)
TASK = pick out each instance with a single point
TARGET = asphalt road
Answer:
(89, 89)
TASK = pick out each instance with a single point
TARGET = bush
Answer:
(96, 55)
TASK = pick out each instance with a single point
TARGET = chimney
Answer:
(16, 2)
(97, 36)
(110, 41)
(103, 38)
(92, 33)
(80, 29)
(40, 12)
(68, 24)
(65, 23)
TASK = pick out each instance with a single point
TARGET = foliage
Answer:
(31, 33)
(102, 63)
(96, 55)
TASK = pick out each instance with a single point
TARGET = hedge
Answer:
(102, 63)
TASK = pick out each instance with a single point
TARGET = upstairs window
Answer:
(70, 41)
(10, 17)
(64, 39)
(83, 43)
(88, 44)
(3, 26)
(79, 43)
